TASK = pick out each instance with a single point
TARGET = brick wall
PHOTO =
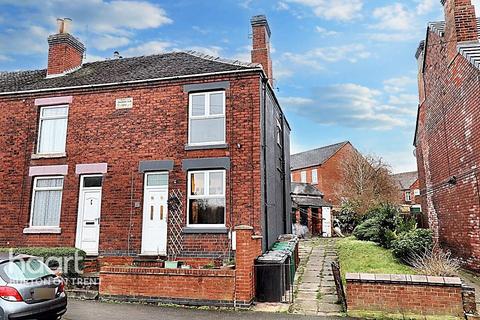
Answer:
(329, 174)
(154, 129)
(191, 287)
(404, 294)
(447, 146)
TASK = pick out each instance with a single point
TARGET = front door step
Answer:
(82, 294)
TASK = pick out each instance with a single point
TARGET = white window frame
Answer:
(303, 174)
(206, 196)
(40, 121)
(35, 189)
(207, 115)
(408, 196)
(314, 181)
(416, 192)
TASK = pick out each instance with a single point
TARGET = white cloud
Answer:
(316, 58)
(147, 48)
(282, 6)
(93, 58)
(394, 17)
(4, 58)
(426, 6)
(110, 24)
(476, 3)
(353, 105)
(108, 42)
(392, 36)
(343, 10)
(325, 32)
(398, 84)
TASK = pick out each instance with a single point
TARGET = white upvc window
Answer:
(46, 202)
(206, 118)
(206, 198)
(52, 132)
(314, 176)
(303, 176)
(416, 192)
(407, 196)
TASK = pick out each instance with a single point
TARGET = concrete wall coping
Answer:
(243, 228)
(167, 272)
(404, 279)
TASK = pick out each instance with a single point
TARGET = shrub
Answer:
(436, 263)
(65, 257)
(347, 218)
(405, 224)
(411, 244)
(379, 226)
(369, 230)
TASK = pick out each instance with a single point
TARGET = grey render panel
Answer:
(206, 163)
(206, 86)
(155, 165)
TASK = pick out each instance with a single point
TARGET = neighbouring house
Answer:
(409, 192)
(160, 156)
(310, 212)
(322, 167)
(447, 137)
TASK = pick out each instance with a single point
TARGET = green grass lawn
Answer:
(368, 257)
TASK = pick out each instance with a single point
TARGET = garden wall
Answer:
(217, 287)
(404, 294)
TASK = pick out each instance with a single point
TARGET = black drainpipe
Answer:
(264, 148)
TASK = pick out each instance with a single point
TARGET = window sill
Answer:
(190, 230)
(40, 230)
(48, 155)
(189, 147)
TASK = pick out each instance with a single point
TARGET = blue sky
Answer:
(343, 69)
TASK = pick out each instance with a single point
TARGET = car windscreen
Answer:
(24, 270)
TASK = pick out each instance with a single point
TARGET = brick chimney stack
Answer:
(261, 44)
(65, 52)
(461, 24)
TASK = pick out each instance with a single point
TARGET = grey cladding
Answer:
(155, 165)
(221, 85)
(206, 163)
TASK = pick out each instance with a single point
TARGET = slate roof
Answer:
(306, 194)
(405, 179)
(314, 157)
(123, 70)
(305, 189)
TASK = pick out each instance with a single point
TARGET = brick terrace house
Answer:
(322, 168)
(409, 191)
(447, 137)
(93, 154)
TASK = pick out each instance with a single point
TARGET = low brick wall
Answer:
(404, 294)
(184, 286)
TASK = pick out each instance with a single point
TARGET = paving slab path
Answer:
(314, 289)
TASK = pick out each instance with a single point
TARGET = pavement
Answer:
(93, 310)
(315, 292)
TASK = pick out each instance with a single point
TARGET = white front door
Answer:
(89, 211)
(155, 213)
(326, 222)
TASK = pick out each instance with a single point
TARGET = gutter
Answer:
(112, 84)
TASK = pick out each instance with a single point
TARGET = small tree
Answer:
(366, 182)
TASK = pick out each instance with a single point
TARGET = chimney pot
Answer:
(60, 24)
(67, 25)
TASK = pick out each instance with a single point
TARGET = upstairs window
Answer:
(207, 118)
(416, 192)
(314, 176)
(407, 196)
(52, 133)
(206, 198)
(303, 176)
(46, 202)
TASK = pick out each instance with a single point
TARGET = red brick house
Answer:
(409, 191)
(96, 155)
(322, 168)
(447, 137)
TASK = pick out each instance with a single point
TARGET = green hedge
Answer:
(412, 244)
(63, 253)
